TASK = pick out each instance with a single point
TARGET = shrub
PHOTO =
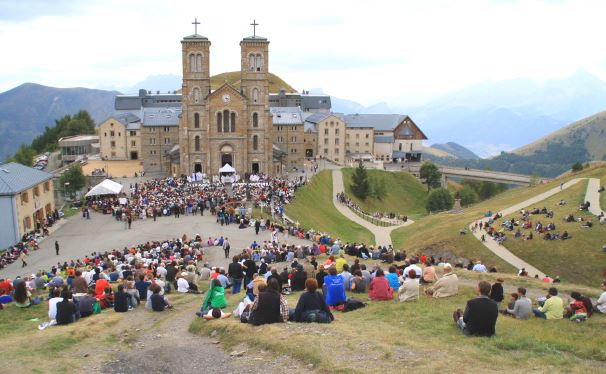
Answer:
(439, 200)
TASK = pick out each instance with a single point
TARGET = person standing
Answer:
(226, 247)
(23, 257)
(129, 219)
(57, 247)
(257, 226)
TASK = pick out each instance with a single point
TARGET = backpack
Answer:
(353, 304)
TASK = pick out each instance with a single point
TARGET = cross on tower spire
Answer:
(195, 23)
(254, 25)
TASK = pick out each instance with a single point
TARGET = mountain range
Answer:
(484, 119)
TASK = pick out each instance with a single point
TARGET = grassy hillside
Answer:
(588, 133)
(313, 208)
(404, 193)
(233, 77)
(385, 337)
(578, 260)
(455, 150)
(439, 233)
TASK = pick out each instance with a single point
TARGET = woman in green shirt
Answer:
(23, 297)
(215, 298)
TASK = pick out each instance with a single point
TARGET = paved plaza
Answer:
(79, 237)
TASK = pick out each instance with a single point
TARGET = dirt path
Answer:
(382, 234)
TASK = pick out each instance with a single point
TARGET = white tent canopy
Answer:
(227, 169)
(107, 187)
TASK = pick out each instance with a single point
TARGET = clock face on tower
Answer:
(226, 98)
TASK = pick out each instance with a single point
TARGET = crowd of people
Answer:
(385, 216)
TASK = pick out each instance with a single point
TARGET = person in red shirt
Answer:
(6, 287)
(379, 287)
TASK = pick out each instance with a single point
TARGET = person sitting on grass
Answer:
(379, 289)
(158, 302)
(311, 306)
(66, 310)
(23, 297)
(392, 278)
(429, 273)
(269, 307)
(522, 307)
(578, 311)
(358, 284)
(215, 298)
(86, 303)
(550, 308)
(121, 300)
(215, 313)
(335, 288)
(446, 286)
(481, 313)
(409, 291)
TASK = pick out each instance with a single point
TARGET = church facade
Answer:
(228, 125)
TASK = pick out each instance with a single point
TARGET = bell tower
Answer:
(194, 122)
(255, 87)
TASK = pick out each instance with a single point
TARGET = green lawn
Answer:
(313, 209)
(603, 194)
(393, 336)
(404, 193)
(439, 233)
(584, 262)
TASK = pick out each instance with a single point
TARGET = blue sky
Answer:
(394, 51)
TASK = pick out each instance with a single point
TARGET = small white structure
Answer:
(107, 187)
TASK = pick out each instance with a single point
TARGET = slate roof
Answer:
(384, 139)
(381, 122)
(195, 37)
(287, 115)
(15, 178)
(161, 116)
(255, 37)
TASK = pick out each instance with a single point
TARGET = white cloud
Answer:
(393, 51)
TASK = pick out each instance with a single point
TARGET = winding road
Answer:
(382, 234)
(592, 195)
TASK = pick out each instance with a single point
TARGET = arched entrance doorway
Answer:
(227, 155)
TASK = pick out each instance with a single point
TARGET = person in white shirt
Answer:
(161, 271)
(479, 268)
(52, 304)
(182, 284)
(600, 305)
(417, 269)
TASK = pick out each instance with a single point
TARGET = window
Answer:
(357, 144)
(325, 141)
(105, 134)
(46, 186)
(325, 131)
(255, 95)
(347, 136)
(197, 144)
(366, 144)
(111, 133)
(293, 139)
(325, 151)
(226, 121)
(197, 120)
(133, 143)
(196, 93)
(233, 122)
(166, 129)
(347, 144)
(27, 222)
(199, 63)
(255, 142)
(336, 151)
(36, 191)
(112, 144)
(219, 120)
(192, 63)
(337, 141)
(336, 131)
(251, 62)
(166, 141)
(367, 136)
(119, 134)
(357, 136)
(255, 120)
(259, 62)
(133, 133)
(152, 141)
(113, 154)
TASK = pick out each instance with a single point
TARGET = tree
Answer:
(80, 123)
(360, 186)
(467, 195)
(439, 199)
(430, 172)
(577, 167)
(74, 178)
(24, 156)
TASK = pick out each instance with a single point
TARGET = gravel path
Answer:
(382, 234)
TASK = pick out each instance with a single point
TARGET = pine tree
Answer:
(360, 186)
